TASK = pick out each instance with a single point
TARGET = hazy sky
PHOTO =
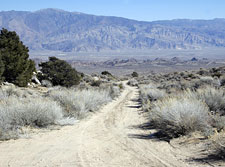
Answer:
(147, 10)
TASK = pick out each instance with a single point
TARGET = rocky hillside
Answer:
(53, 29)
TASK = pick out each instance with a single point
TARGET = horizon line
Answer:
(62, 10)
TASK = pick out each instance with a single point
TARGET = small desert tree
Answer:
(18, 69)
(134, 74)
(59, 72)
(106, 73)
(2, 68)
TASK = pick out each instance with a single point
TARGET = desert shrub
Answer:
(150, 92)
(217, 147)
(204, 81)
(106, 73)
(36, 111)
(203, 71)
(18, 69)
(209, 81)
(222, 81)
(70, 104)
(193, 84)
(17, 112)
(7, 91)
(134, 74)
(218, 122)
(132, 82)
(191, 75)
(93, 99)
(96, 83)
(77, 103)
(121, 86)
(169, 87)
(2, 69)
(114, 91)
(59, 72)
(144, 81)
(46, 83)
(214, 98)
(87, 78)
(174, 116)
(217, 74)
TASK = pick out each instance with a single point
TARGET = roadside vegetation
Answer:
(59, 72)
(22, 107)
(55, 95)
(15, 65)
(181, 103)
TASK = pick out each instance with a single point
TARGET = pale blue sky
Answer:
(147, 10)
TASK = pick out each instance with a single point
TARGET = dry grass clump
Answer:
(175, 116)
(217, 122)
(217, 147)
(7, 91)
(113, 88)
(150, 93)
(17, 112)
(132, 82)
(143, 96)
(208, 80)
(77, 103)
(214, 98)
(222, 80)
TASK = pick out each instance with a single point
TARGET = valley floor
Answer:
(106, 139)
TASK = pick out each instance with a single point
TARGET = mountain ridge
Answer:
(59, 30)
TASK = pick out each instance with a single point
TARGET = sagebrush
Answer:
(17, 112)
(174, 117)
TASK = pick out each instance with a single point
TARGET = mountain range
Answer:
(58, 30)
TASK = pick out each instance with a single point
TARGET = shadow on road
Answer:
(148, 130)
(210, 157)
(137, 104)
(149, 133)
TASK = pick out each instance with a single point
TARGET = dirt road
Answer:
(102, 140)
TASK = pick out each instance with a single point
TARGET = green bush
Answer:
(59, 72)
(18, 69)
(121, 86)
(134, 74)
(106, 73)
(96, 83)
(2, 68)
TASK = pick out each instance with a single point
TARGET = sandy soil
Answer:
(106, 139)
